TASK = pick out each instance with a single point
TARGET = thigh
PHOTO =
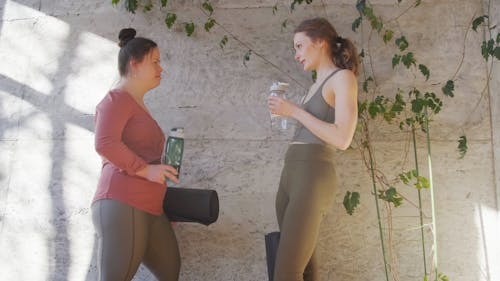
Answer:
(121, 237)
(281, 197)
(311, 193)
(162, 255)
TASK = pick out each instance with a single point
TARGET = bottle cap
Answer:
(177, 132)
(279, 86)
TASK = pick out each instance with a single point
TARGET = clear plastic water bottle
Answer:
(174, 148)
(278, 89)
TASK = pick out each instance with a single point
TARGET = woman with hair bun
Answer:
(327, 118)
(127, 208)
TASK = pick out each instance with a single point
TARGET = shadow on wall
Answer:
(57, 115)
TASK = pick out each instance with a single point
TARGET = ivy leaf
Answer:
(360, 6)
(433, 102)
(374, 21)
(377, 25)
(351, 201)
(362, 54)
(391, 196)
(361, 108)
(170, 19)
(131, 5)
(208, 7)
(283, 24)
(496, 53)
(292, 6)
(398, 105)
(425, 71)
(373, 109)
(209, 24)
(223, 42)
(164, 3)
(487, 48)
(365, 84)
(418, 3)
(443, 277)
(148, 8)
(314, 75)
(408, 176)
(408, 60)
(422, 182)
(395, 60)
(275, 9)
(189, 28)
(356, 23)
(449, 88)
(402, 43)
(246, 57)
(478, 21)
(115, 2)
(388, 36)
(417, 105)
(462, 146)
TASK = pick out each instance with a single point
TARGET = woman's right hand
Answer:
(159, 173)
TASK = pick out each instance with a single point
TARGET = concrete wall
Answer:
(58, 59)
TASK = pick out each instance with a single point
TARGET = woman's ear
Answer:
(132, 67)
(322, 43)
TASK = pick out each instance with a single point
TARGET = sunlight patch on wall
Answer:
(488, 223)
(30, 47)
(94, 72)
(27, 213)
(81, 171)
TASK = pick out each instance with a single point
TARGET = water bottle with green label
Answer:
(174, 148)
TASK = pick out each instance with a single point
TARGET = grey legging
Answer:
(306, 191)
(126, 237)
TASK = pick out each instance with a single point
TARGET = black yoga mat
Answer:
(191, 205)
(272, 241)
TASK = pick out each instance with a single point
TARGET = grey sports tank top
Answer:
(318, 107)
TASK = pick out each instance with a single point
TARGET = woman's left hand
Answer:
(280, 106)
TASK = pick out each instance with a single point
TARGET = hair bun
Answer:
(126, 35)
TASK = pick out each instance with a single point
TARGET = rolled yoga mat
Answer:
(191, 205)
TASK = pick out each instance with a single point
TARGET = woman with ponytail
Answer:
(127, 208)
(327, 118)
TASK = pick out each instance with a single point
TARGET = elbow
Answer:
(344, 144)
(343, 139)
(101, 148)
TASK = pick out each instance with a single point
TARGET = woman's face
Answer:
(149, 69)
(307, 52)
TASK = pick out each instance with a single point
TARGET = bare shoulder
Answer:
(344, 82)
(344, 77)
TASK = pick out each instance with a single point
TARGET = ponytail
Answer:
(344, 54)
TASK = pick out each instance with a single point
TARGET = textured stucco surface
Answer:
(58, 59)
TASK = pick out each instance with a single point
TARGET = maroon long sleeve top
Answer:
(128, 138)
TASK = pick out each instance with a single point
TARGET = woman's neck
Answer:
(133, 89)
(324, 69)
